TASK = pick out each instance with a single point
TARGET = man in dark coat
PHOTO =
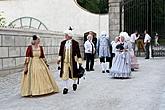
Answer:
(69, 56)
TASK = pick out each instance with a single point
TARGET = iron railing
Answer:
(143, 15)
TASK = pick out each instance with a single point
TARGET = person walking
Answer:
(70, 57)
(37, 78)
(104, 51)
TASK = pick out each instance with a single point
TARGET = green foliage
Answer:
(2, 19)
(94, 6)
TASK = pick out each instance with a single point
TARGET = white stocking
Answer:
(107, 65)
(103, 66)
(75, 81)
(65, 83)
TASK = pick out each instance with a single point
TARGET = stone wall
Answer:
(13, 44)
(114, 18)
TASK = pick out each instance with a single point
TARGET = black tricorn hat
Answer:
(70, 28)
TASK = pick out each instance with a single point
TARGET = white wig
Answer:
(125, 35)
(103, 33)
(68, 32)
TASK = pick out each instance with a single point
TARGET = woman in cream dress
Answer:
(37, 79)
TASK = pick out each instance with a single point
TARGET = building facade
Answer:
(57, 15)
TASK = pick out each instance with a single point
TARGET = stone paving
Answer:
(144, 91)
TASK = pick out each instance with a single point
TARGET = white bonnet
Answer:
(125, 35)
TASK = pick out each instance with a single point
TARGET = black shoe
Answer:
(146, 58)
(87, 70)
(74, 87)
(92, 70)
(132, 69)
(107, 71)
(103, 71)
(65, 91)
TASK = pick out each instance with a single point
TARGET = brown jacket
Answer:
(75, 53)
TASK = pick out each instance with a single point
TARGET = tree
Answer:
(95, 6)
(2, 19)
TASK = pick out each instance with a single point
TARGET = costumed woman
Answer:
(114, 43)
(36, 78)
(121, 66)
(134, 62)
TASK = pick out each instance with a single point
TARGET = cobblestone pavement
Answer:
(144, 91)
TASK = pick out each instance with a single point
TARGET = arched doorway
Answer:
(94, 38)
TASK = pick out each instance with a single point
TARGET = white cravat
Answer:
(68, 44)
(68, 51)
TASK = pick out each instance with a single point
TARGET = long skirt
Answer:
(134, 62)
(121, 66)
(38, 80)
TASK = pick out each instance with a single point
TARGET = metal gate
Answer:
(143, 15)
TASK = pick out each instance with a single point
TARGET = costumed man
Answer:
(104, 51)
(70, 57)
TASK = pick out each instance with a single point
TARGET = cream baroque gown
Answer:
(38, 80)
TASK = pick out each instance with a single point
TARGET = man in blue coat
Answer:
(104, 51)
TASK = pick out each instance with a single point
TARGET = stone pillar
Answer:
(114, 18)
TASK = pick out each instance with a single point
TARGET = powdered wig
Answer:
(68, 32)
(103, 33)
(125, 35)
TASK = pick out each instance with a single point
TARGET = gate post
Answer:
(114, 18)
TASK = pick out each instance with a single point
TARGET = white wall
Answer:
(57, 15)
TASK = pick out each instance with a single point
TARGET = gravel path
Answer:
(144, 91)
